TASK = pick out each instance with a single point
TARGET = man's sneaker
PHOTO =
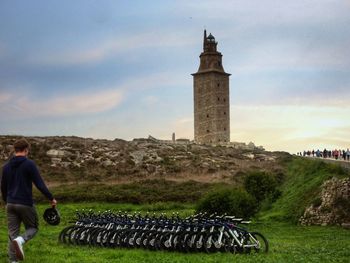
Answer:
(18, 245)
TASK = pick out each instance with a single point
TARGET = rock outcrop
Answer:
(73, 158)
(332, 207)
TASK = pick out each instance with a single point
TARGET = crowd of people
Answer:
(334, 154)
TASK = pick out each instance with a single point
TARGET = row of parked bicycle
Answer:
(197, 233)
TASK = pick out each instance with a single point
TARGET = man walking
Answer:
(18, 175)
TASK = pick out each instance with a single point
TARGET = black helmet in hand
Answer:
(52, 216)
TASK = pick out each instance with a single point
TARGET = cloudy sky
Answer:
(121, 69)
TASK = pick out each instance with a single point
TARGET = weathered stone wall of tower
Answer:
(211, 99)
(211, 108)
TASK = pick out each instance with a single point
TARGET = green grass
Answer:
(288, 243)
(301, 187)
(143, 191)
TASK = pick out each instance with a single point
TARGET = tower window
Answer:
(219, 63)
(224, 112)
(218, 84)
(219, 140)
(207, 115)
(208, 131)
(218, 99)
(225, 129)
(224, 100)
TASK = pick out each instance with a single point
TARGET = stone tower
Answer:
(211, 96)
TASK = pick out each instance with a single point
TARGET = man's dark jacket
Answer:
(16, 181)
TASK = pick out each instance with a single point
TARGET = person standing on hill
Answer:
(325, 153)
(348, 154)
(336, 154)
(318, 153)
(18, 175)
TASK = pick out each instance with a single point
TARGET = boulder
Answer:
(56, 153)
(137, 156)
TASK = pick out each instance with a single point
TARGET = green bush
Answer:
(235, 202)
(261, 186)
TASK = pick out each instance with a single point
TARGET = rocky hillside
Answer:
(313, 192)
(74, 159)
(332, 206)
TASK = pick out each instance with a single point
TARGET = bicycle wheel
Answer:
(209, 241)
(213, 244)
(139, 238)
(190, 242)
(145, 238)
(104, 238)
(123, 237)
(113, 239)
(152, 240)
(92, 238)
(177, 241)
(181, 241)
(260, 242)
(81, 235)
(64, 234)
(228, 243)
(165, 241)
(130, 239)
(96, 239)
(199, 242)
(73, 234)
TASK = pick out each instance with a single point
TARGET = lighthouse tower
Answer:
(211, 96)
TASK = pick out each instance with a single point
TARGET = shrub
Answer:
(235, 202)
(280, 177)
(261, 185)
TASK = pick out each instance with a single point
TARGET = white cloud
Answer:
(102, 99)
(89, 103)
(29, 107)
(291, 128)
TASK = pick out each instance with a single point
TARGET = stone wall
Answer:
(332, 207)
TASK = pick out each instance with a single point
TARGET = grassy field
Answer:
(139, 192)
(277, 221)
(288, 243)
